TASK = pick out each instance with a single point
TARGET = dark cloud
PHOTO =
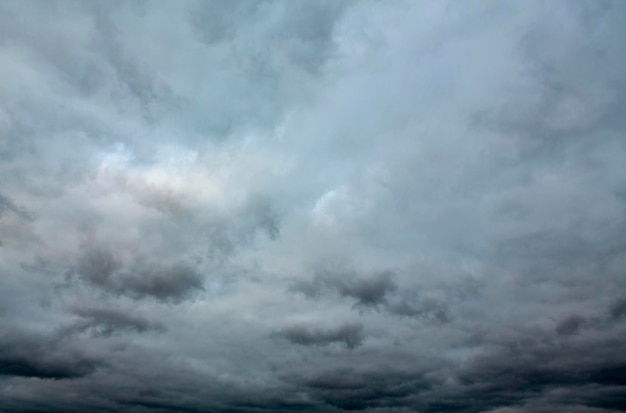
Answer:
(370, 292)
(429, 311)
(22, 365)
(618, 309)
(535, 368)
(536, 373)
(31, 355)
(104, 322)
(97, 267)
(570, 325)
(378, 292)
(172, 282)
(367, 292)
(350, 335)
(350, 389)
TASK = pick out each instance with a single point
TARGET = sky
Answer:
(313, 206)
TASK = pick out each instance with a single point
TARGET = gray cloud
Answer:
(164, 283)
(104, 322)
(99, 268)
(366, 291)
(6, 205)
(351, 335)
(570, 325)
(427, 310)
(273, 49)
(31, 355)
(618, 309)
(350, 389)
(320, 206)
(378, 292)
(530, 375)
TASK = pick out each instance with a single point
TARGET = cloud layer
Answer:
(315, 206)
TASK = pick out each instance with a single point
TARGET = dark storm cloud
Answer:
(97, 267)
(377, 291)
(174, 282)
(367, 292)
(542, 369)
(350, 389)
(46, 367)
(31, 355)
(351, 335)
(532, 367)
(618, 309)
(570, 325)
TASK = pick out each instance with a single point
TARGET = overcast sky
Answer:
(312, 206)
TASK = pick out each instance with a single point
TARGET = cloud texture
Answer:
(317, 206)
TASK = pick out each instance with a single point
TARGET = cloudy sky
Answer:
(314, 206)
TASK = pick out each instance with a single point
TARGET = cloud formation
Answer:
(34, 356)
(169, 282)
(323, 206)
(108, 321)
(351, 335)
